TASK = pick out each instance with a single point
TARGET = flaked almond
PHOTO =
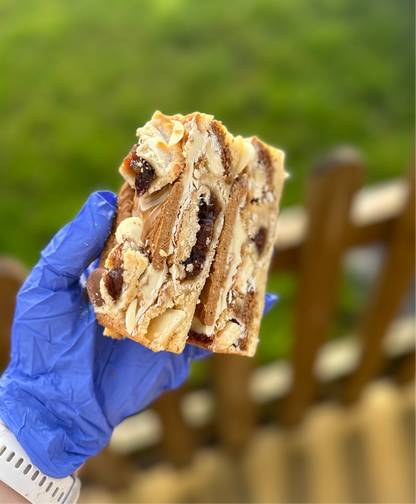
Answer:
(111, 334)
(164, 325)
(177, 133)
(247, 156)
(228, 335)
(132, 225)
(244, 276)
(213, 153)
(131, 316)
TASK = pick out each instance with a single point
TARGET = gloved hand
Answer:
(67, 385)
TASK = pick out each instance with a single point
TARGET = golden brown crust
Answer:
(210, 294)
(119, 328)
(112, 324)
(249, 310)
(244, 306)
(124, 210)
(265, 159)
(226, 156)
(213, 348)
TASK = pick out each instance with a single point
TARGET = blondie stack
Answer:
(192, 239)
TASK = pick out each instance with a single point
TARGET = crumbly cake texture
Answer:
(191, 242)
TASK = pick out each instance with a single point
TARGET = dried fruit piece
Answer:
(144, 175)
(260, 240)
(114, 281)
(142, 168)
(206, 217)
(116, 257)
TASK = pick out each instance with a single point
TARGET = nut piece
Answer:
(177, 133)
(114, 282)
(247, 156)
(111, 334)
(244, 277)
(227, 336)
(132, 225)
(214, 158)
(162, 327)
(131, 316)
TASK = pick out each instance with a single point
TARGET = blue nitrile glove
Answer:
(67, 385)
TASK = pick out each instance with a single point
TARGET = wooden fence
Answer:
(312, 241)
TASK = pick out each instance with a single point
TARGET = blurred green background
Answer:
(78, 77)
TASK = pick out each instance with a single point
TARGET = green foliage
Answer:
(78, 77)
(276, 327)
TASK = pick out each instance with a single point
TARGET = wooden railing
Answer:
(312, 240)
(340, 217)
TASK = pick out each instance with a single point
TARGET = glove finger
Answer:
(79, 242)
(270, 301)
(49, 312)
(128, 366)
(138, 372)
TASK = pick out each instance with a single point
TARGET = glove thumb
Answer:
(79, 242)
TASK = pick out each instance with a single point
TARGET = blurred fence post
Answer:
(107, 469)
(406, 371)
(392, 284)
(178, 441)
(12, 276)
(236, 412)
(331, 189)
